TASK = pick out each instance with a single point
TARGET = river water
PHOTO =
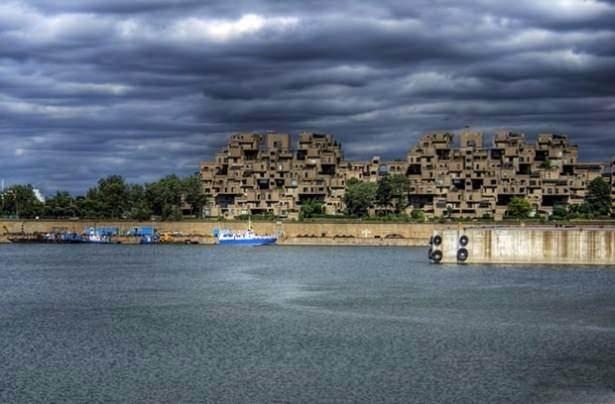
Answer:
(192, 324)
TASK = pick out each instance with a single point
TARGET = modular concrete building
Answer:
(472, 180)
(269, 173)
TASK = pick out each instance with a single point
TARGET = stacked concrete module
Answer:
(262, 173)
(265, 173)
(474, 181)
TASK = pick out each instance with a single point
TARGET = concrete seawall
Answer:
(535, 245)
(291, 233)
(486, 245)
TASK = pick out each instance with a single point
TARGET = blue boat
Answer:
(100, 235)
(63, 238)
(244, 238)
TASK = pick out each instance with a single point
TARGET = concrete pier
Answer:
(525, 245)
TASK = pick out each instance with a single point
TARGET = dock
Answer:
(524, 245)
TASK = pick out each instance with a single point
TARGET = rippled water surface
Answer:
(191, 324)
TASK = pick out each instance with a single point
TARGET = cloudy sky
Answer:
(145, 88)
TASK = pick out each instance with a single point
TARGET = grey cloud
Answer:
(149, 87)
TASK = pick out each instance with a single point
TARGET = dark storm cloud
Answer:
(149, 87)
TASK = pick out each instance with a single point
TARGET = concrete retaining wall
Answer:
(327, 241)
(291, 233)
(580, 246)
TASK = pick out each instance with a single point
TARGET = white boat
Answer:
(245, 237)
(95, 237)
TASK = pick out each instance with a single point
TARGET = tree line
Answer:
(111, 198)
(389, 195)
(597, 204)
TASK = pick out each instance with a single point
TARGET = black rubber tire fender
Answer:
(462, 254)
(436, 256)
(437, 239)
(464, 240)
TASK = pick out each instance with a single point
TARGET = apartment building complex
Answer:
(477, 181)
(258, 173)
(266, 173)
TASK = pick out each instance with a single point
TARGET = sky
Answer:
(146, 88)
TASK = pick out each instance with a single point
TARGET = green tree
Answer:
(559, 213)
(164, 197)
(359, 197)
(89, 206)
(173, 213)
(581, 210)
(20, 201)
(62, 204)
(418, 215)
(309, 208)
(598, 197)
(194, 195)
(392, 192)
(138, 207)
(519, 208)
(109, 199)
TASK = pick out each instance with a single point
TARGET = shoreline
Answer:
(316, 233)
(290, 241)
(290, 233)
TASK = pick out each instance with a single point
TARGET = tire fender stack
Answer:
(462, 250)
(435, 249)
